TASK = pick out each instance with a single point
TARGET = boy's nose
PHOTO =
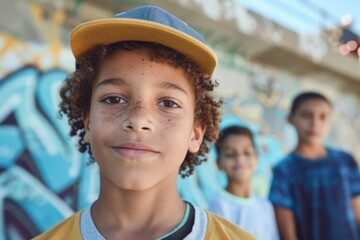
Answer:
(315, 123)
(244, 158)
(240, 158)
(138, 119)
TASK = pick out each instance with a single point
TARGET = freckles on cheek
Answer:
(108, 118)
(169, 123)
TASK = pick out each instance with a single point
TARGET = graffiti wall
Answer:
(44, 179)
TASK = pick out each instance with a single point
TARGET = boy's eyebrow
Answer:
(112, 81)
(120, 81)
(169, 85)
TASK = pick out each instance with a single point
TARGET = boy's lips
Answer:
(312, 133)
(135, 150)
(239, 168)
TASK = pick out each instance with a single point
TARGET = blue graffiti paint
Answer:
(44, 177)
(39, 135)
(11, 146)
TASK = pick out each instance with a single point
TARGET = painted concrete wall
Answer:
(44, 179)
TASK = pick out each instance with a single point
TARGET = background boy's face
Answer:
(141, 121)
(312, 121)
(238, 158)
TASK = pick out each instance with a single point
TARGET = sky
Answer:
(306, 16)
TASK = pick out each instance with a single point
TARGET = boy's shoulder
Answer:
(67, 229)
(344, 158)
(222, 195)
(289, 161)
(220, 228)
(262, 200)
(340, 154)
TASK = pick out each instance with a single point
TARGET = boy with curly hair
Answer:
(140, 102)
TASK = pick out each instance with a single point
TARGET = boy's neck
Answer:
(311, 152)
(135, 214)
(239, 189)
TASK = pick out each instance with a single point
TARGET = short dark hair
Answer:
(232, 130)
(302, 97)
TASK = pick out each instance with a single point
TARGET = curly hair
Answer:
(76, 94)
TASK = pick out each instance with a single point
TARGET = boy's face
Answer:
(238, 158)
(312, 121)
(141, 121)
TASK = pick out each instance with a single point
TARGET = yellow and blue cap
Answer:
(148, 24)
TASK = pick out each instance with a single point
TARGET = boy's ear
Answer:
(197, 137)
(218, 163)
(86, 120)
(257, 156)
(289, 119)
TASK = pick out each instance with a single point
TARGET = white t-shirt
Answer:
(255, 214)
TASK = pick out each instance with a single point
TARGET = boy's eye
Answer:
(249, 153)
(323, 117)
(114, 100)
(168, 104)
(230, 155)
(306, 115)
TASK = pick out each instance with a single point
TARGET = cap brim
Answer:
(107, 31)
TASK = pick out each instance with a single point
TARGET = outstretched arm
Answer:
(286, 223)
